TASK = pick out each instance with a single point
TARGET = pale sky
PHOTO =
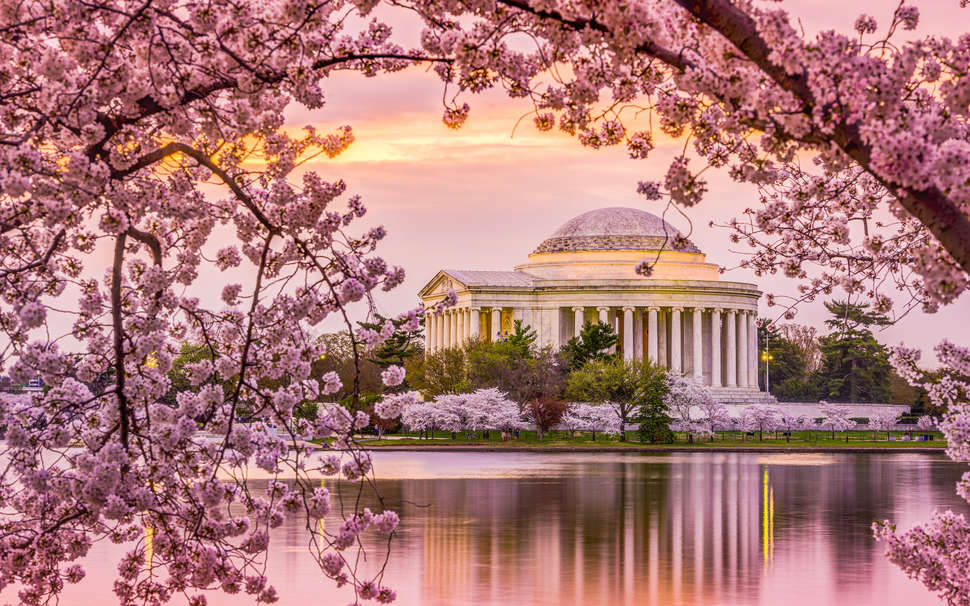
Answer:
(481, 198)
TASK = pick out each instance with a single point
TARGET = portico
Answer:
(682, 316)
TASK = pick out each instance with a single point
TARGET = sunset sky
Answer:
(481, 198)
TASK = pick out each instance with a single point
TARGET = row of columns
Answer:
(740, 352)
(455, 326)
(452, 327)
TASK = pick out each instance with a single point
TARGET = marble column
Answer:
(428, 333)
(753, 349)
(638, 333)
(439, 331)
(742, 348)
(663, 338)
(555, 317)
(731, 350)
(460, 326)
(698, 349)
(604, 314)
(496, 324)
(449, 329)
(473, 328)
(653, 334)
(578, 320)
(716, 347)
(676, 358)
(628, 345)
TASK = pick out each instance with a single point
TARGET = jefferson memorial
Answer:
(682, 316)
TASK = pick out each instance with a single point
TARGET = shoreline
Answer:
(656, 448)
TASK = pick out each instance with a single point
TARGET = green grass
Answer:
(733, 439)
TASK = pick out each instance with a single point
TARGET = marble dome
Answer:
(681, 315)
(614, 228)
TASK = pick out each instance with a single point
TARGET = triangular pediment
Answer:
(440, 285)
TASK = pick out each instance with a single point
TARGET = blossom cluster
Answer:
(483, 409)
(837, 130)
(142, 149)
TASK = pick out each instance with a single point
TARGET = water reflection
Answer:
(688, 529)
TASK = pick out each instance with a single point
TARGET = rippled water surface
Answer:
(679, 529)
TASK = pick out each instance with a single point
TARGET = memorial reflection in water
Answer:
(685, 529)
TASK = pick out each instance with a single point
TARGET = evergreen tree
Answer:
(400, 346)
(654, 418)
(593, 343)
(855, 367)
(521, 339)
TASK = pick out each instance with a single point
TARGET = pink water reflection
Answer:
(687, 529)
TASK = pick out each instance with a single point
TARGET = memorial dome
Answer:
(614, 228)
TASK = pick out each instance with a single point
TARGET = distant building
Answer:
(34, 385)
(683, 316)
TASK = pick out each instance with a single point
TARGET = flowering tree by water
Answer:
(713, 415)
(937, 552)
(116, 115)
(883, 421)
(141, 153)
(761, 418)
(592, 418)
(883, 121)
(480, 410)
(687, 400)
(926, 423)
(790, 423)
(633, 389)
(836, 418)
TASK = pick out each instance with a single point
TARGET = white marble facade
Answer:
(682, 316)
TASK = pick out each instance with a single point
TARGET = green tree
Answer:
(854, 367)
(629, 386)
(178, 376)
(401, 345)
(531, 377)
(787, 366)
(358, 374)
(593, 343)
(521, 339)
(442, 372)
(654, 418)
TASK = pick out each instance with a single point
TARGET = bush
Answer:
(655, 431)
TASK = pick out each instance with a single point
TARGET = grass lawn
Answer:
(730, 439)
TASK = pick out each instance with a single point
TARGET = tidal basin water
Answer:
(626, 528)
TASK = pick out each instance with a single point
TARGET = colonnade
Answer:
(717, 346)
(452, 327)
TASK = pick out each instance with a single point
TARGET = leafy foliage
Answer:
(406, 341)
(521, 339)
(593, 343)
(633, 388)
(855, 367)
(438, 373)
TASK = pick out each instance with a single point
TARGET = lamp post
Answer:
(766, 358)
